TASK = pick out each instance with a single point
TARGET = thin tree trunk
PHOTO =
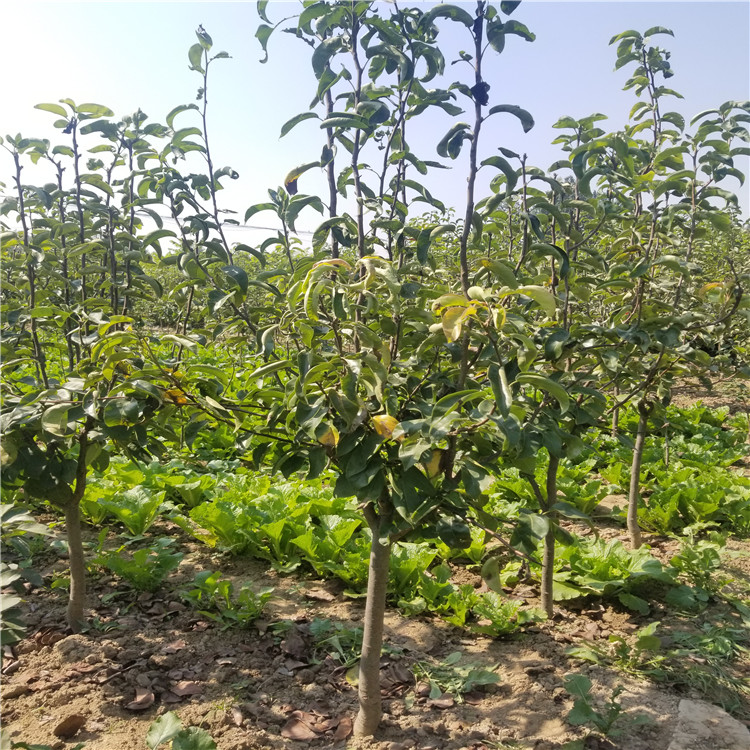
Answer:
(548, 558)
(370, 703)
(77, 596)
(634, 493)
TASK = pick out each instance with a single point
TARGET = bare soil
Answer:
(145, 654)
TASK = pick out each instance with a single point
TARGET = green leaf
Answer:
(450, 144)
(578, 685)
(153, 238)
(505, 167)
(508, 6)
(500, 388)
(634, 602)
(324, 52)
(519, 29)
(164, 729)
(298, 203)
(296, 120)
(180, 341)
(97, 181)
(263, 34)
(238, 275)
(527, 121)
(257, 208)
(260, 7)
(346, 120)
(195, 55)
(54, 108)
(94, 110)
(270, 368)
(543, 297)
(561, 591)
(176, 111)
(193, 738)
(448, 11)
(454, 532)
(657, 30)
(55, 419)
(719, 220)
(544, 383)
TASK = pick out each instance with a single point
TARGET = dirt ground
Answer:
(146, 654)
(270, 686)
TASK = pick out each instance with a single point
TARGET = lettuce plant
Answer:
(145, 568)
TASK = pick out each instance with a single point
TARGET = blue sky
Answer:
(130, 55)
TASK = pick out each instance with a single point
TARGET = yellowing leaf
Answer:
(432, 464)
(450, 300)
(327, 435)
(543, 297)
(707, 289)
(176, 396)
(453, 321)
(384, 425)
(491, 575)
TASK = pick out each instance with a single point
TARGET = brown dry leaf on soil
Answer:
(144, 698)
(344, 729)
(294, 645)
(296, 729)
(318, 594)
(186, 687)
(174, 647)
(69, 726)
(303, 725)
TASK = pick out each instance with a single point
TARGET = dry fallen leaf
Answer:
(344, 729)
(295, 729)
(143, 699)
(294, 645)
(445, 701)
(320, 595)
(186, 687)
(169, 697)
(69, 726)
(174, 647)
(49, 636)
(236, 716)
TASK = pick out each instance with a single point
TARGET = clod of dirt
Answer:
(15, 690)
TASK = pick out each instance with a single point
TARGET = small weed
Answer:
(215, 598)
(169, 728)
(102, 626)
(699, 560)
(585, 712)
(449, 678)
(338, 640)
(639, 656)
(144, 569)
